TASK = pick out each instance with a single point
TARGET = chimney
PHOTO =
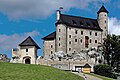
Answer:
(58, 15)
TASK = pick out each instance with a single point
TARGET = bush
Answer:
(104, 70)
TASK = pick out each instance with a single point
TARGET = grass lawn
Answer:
(10, 71)
(102, 77)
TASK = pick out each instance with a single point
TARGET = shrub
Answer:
(104, 70)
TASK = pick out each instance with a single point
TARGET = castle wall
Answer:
(49, 48)
(76, 40)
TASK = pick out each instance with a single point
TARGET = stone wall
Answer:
(48, 48)
(61, 39)
(65, 65)
(74, 34)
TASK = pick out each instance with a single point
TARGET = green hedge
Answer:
(104, 70)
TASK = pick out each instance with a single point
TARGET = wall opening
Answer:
(27, 61)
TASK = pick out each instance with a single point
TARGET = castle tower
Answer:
(103, 21)
(61, 38)
(28, 51)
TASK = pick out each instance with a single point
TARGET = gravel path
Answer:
(86, 76)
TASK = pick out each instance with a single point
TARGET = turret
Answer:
(103, 21)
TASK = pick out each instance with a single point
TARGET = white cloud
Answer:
(114, 25)
(7, 42)
(35, 9)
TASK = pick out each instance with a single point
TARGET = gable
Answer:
(29, 42)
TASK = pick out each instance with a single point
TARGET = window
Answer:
(95, 41)
(26, 50)
(88, 25)
(75, 40)
(81, 40)
(76, 31)
(69, 42)
(74, 23)
(59, 30)
(69, 28)
(105, 27)
(74, 52)
(105, 21)
(59, 44)
(90, 33)
(81, 32)
(51, 52)
(69, 49)
(69, 36)
(81, 23)
(51, 46)
(59, 38)
(94, 25)
(95, 33)
(90, 40)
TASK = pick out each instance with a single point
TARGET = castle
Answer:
(74, 33)
(72, 37)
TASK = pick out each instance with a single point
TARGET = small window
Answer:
(105, 21)
(59, 30)
(69, 28)
(51, 52)
(26, 50)
(69, 49)
(69, 42)
(51, 46)
(105, 27)
(81, 32)
(59, 38)
(76, 31)
(81, 40)
(95, 33)
(69, 36)
(90, 40)
(90, 33)
(74, 51)
(95, 41)
(81, 23)
(75, 40)
(74, 23)
(59, 44)
(88, 25)
(94, 25)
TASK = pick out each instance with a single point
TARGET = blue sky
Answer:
(22, 18)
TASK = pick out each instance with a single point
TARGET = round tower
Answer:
(103, 21)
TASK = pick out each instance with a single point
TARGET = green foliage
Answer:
(104, 70)
(10, 71)
(111, 49)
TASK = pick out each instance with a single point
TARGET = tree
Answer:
(111, 49)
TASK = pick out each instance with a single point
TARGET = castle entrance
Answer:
(27, 61)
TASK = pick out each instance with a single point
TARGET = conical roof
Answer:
(102, 9)
(29, 42)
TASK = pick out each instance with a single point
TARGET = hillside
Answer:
(9, 71)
